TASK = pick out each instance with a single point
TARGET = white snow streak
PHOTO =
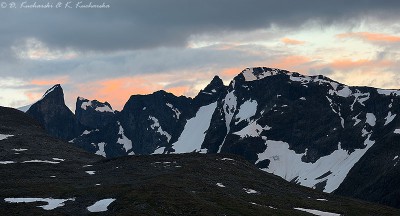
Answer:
(20, 150)
(193, 134)
(41, 161)
(230, 103)
(7, 162)
(317, 212)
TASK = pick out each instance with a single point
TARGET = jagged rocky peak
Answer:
(215, 86)
(85, 104)
(54, 115)
(54, 95)
(210, 93)
(93, 113)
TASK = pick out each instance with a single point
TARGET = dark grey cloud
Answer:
(144, 24)
(131, 63)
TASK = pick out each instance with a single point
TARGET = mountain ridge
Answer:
(274, 118)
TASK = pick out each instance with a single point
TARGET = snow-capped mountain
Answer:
(310, 130)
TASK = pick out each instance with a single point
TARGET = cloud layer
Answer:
(178, 45)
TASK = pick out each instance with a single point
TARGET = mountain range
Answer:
(309, 130)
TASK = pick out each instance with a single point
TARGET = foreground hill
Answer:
(41, 175)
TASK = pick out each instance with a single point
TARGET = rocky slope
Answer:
(41, 175)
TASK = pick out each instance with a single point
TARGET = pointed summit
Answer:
(54, 95)
(54, 115)
(211, 92)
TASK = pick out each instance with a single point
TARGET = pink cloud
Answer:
(289, 41)
(371, 37)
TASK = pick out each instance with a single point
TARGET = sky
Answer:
(141, 46)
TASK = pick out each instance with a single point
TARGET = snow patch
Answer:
(20, 150)
(123, 140)
(86, 132)
(101, 150)
(157, 125)
(227, 159)
(356, 119)
(360, 98)
(220, 185)
(193, 134)
(160, 150)
(247, 110)
(344, 92)
(103, 108)
(5, 136)
(371, 119)
(7, 162)
(288, 164)
(101, 205)
(176, 111)
(25, 108)
(252, 130)
(229, 107)
(337, 112)
(41, 161)
(250, 191)
(249, 75)
(324, 200)
(51, 203)
(388, 92)
(389, 118)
